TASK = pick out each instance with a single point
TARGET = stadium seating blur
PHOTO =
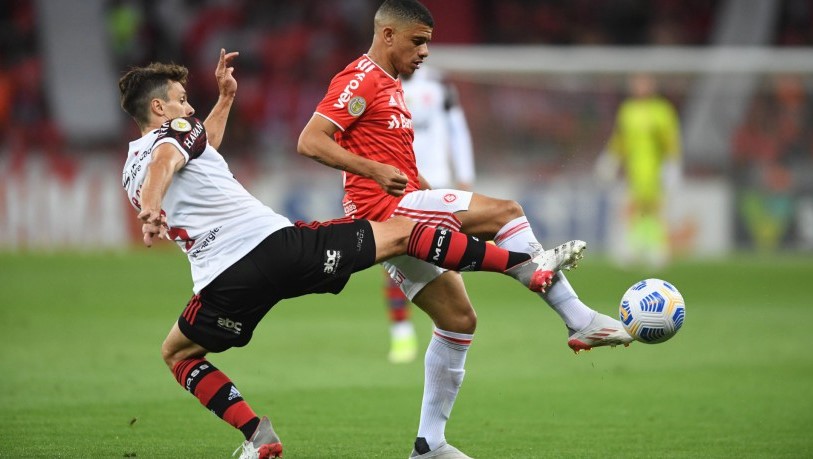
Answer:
(290, 50)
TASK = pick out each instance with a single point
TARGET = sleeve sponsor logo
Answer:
(356, 106)
(347, 94)
(180, 125)
(189, 140)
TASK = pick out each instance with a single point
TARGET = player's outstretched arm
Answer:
(227, 87)
(166, 160)
(316, 142)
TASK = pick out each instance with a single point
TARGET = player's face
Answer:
(410, 47)
(177, 104)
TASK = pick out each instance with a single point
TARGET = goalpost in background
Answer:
(540, 116)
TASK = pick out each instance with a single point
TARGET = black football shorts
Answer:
(307, 258)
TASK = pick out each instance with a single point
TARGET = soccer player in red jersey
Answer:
(364, 128)
(245, 257)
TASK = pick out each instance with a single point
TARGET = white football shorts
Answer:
(436, 208)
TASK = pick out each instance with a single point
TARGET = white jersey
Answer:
(210, 215)
(442, 143)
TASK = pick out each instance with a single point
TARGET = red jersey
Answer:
(367, 105)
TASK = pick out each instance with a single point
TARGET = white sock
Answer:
(445, 359)
(517, 236)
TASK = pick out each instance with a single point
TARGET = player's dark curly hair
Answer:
(142, 84)
(407, 11)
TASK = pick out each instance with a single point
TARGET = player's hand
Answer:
(392, 180)
(153, 225)
(226, 83)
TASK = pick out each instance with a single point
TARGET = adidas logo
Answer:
(234, 393)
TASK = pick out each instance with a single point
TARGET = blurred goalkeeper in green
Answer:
(646, 143)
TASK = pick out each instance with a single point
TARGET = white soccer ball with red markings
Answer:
(652, 311)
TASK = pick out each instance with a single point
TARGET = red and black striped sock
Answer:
(459, 252)
(217, 393)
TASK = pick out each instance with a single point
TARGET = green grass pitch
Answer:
(81, 374)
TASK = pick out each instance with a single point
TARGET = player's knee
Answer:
(460, 322)
(169, 355)
(501, 211)
(511, 210)
(173, 354)
(405, 226)
(468, 321)
(392, 236)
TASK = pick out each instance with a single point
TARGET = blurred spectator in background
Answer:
(774, 140)
(646, 143)
(443, 152)
(25, 123)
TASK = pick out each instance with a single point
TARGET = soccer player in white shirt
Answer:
(244, 256)
(443, 151)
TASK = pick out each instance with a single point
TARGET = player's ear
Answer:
(157, 106)
(389, 35)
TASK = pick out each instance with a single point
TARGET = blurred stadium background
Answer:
(540, 81)
(84, 307)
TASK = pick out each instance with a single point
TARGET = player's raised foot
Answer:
(537, 273)
(603, 330)
(444, 451)
(263, 444)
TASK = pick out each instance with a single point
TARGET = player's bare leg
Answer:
(197, 375)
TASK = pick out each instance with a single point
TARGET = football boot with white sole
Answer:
(263, 444)
(444, 451)
(603, 330)
(538, 272)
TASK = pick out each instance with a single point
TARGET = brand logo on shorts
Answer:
(229, 325)
(359, 239)
(332, 258)
(450, 198)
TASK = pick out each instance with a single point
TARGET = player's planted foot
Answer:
(603, 330)
(263, 444)
(537, 273)
(444, 451)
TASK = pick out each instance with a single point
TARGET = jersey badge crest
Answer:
(180, 125)
(356, 106)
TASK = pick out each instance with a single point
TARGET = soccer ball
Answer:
(652, 311)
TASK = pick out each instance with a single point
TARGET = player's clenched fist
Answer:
(392, 180)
